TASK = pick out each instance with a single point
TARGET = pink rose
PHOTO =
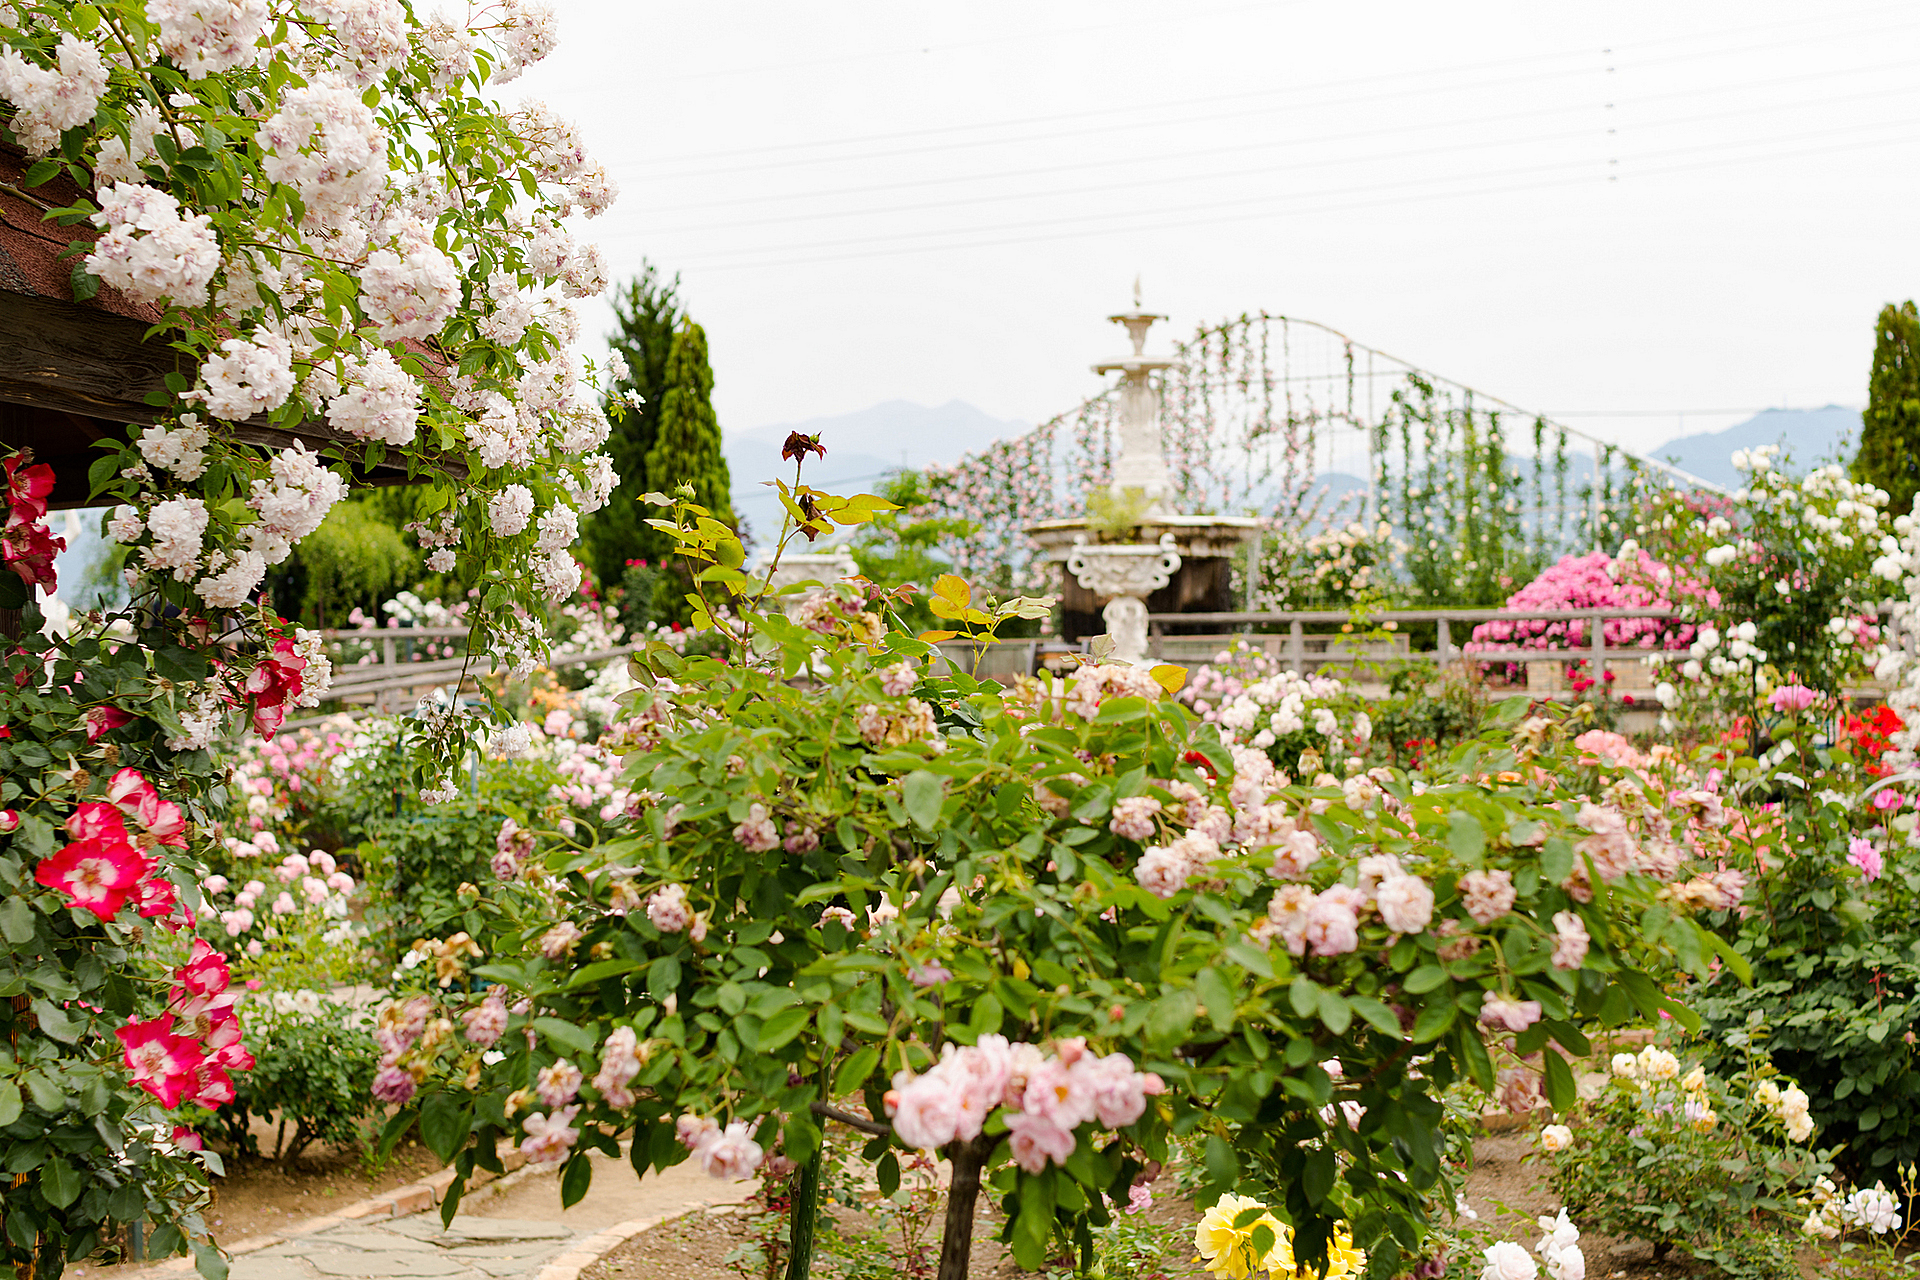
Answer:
(1487, 895)
(1035, 1140)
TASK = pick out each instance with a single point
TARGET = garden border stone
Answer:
(586, 1252)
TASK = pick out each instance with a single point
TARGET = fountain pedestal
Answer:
(1167, 563)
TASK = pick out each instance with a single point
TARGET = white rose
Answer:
(1556, 1137)
(1508, 1261)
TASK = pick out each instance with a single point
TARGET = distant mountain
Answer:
(861, 448)
(1814, 437)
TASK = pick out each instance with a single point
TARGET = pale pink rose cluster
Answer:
(1045, 1097)
(549, 1137)
(1133, 817)
(667, 909)
(51, 100)
(1500, 1010)
(1570, 940)
(512, 846)
(728, 1152)
(757, 833)
(1091, 686)
(205, 37)
(1328, 923)
(486, 1022)
(1487, 895)
(1163, 870)
(890, 727)
(380, 400)
(619, 1064)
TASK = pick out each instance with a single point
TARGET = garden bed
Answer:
(1506, 1191)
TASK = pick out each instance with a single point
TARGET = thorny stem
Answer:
(780, 544)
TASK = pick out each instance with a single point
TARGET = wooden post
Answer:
(1297, 642)
(1598, 644)
(1443, 646)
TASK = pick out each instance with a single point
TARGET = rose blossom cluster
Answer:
(107, 865)
(27, 546)
(1044, 1097)
(177, 1067)
(1256, 702)
(728, 1152)
(151, 251)
(893, 727)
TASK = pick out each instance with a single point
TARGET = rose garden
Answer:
(912, 869)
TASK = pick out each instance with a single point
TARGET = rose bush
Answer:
(1040, 929)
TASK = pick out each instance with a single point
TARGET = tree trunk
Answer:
(956, 1245)
(803, 1214)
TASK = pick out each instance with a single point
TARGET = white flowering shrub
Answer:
(1785, 582)
(339, 231)
(343, 229)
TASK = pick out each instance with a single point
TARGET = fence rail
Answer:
(1595, 650)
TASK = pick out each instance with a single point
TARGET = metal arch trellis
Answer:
(1431, 457)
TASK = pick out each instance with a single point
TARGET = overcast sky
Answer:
(1579, 208)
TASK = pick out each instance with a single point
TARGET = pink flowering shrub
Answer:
(1597, 581)
(1070, 921)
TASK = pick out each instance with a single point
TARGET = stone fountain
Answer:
(1162, 562)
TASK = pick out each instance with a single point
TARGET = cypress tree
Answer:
(649, 312)
(1889, 453)
(686, 443)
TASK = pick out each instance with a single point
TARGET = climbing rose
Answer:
(559, 1084)
(97, 874)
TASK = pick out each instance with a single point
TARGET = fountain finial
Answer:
(1136, 291)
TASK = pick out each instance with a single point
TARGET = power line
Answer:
(1204, 119)
(1306, 211)
(1183, 16)
(1083, 219)
(1374, 157)
(1193, 153)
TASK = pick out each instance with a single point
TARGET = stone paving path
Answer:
(413, 1247)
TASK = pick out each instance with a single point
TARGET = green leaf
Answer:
(1561, 1091)
(9, 1102)
(1466, 839)
(55, 1022)
(1376, 1014)
(565, 1033)
(444, 1124)
(1217, 996)
(1335, 1012)
(1169, 1017)
(1223, 1166)
(1305, 995)
(923, 793)
(60, 1182)
(1316, 1178)
(1425, 979)
(84, 283)
(1433, 1021)
(887, 1174)
(1250, 958)
(16, 921)
(855, 1070)
(207, 1260)
(1556, 859)
(575, 1179)
(782, 1027)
